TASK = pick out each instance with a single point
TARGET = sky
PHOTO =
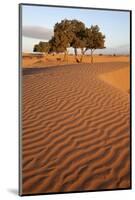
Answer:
(38, 23)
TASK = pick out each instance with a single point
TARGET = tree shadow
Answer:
(29, 71)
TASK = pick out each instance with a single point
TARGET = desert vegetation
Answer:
(73, 33)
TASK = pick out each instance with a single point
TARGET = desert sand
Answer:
(76, 127)
(119, 78)
(31, 60)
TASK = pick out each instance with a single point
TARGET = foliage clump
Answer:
(73, 33)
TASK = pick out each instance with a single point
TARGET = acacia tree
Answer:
(62, 36)
(68, 33)
(78, 39)
(94, 40)
(36, 48)
(73, 33)
(42, 47)
(57, 46)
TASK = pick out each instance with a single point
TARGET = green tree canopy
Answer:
(42, 47)
(73, 33)
(94, 39)
(36, 48)
(62, 35)
(78, 39)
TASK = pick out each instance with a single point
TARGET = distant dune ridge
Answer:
(76, 128)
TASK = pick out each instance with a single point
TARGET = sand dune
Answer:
(76, 131)
(118, 78)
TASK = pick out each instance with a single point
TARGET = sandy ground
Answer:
(119, 78)
(76, 128)
(30, 60)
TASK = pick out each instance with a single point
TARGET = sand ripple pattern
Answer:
(76, 130)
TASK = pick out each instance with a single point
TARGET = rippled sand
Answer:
(76, 129)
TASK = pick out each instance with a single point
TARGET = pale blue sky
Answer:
(114, 24)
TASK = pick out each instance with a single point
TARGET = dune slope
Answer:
(119, 78)
(76, 130)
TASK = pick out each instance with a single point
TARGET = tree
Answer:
(73, 33)
(42, 47)
(78, 39)
(94, 40)
(62, 36)
(68, 33)
(37, 48)
(56, 44)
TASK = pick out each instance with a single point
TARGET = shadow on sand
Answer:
(37, 70)
(29, 71)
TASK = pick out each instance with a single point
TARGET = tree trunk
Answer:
(46, 56)
(82, 54)
(65, 56)
(75, 50)
(91, 56)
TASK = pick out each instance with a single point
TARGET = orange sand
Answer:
(119, 78)
(30, 60)
(76, 128)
